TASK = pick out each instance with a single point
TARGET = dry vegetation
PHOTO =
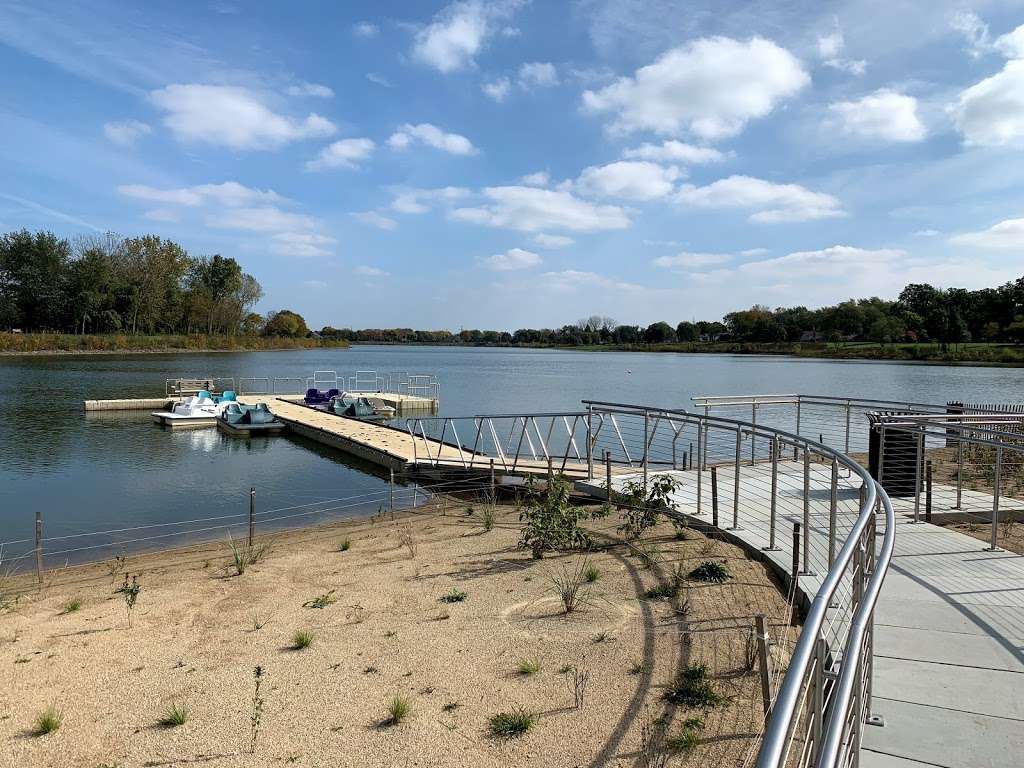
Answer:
(397, 671)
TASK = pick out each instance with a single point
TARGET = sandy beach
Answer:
(381, 630)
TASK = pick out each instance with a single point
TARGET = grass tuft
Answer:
(49, 720)
(345, 545)
(711, 571)
(242, 556)
(398, 710)
(688, 738)
(691, 688)
(528, 667)
(511, 724)
(72, 605)
(321, 601)
(455, 596)
(177, 713)
(571, 587)
(591, 573)
(302, 639)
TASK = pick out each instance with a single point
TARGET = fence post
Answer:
(700, 465)
(807, 512)
(646, 445)
(590, 446)
(833, 507)
(39, 548)
(753, 421)
(691, 451)
(494, 495)
(764, 661)
(959, 469)
(774, 500)
(797, 431)
(847, 444)
(994, 547)
(252, 515)
(714, 496)
(928, 491)
(736, 484)
(391, 493)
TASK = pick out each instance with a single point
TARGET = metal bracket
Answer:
(771, 549)
(878, 720)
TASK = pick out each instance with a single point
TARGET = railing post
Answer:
(775, 495)
(391, 492)
(928, 491)
(795, 574)
(994, 546)
(847, 443)
(39, 548)
(818, 705)
(764, 661)
(807, 513)
(646, 445)
(608, 474)
(959, 469)
(700, 465)
(714, 496)
(494, 494)
(252, 515)
(918, 461)
(736, 484)
(691, 450)
(753, 431)
(833, 507)
(590, 445)
(797, 431)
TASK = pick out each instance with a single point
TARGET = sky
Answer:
(505, 163)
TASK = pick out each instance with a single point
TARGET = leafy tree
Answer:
(285, 323)
(686, 331)
(550, 521)
(659, 333)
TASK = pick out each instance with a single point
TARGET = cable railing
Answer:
(748, 478)
(361, 382)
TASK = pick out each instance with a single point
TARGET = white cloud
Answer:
(233, 117)
(1008, 234)
(1011, 45)
(301, 244)
(311, 89)
(497, 89)
(991, 112)
(415, 200)
(368, 271)
(126, 132)
(673, 151)
(538, 179)
(342, 154)
(927, 233)
(316, 285)
(162, 214)
(688, 259)
(365, 29)
(432, 136)
(830, 49)
(884, 114)
(265, 218)
(835, 261)
(538, 74)
(458, 33)
(710, 87)
(229, 193)
(629, 179)
(373, 77)
(552, 241)
(529, 209)
(974, 30)
(571, 280)
(770, 202)
(374, 219)
(754, 252)
(512, 259)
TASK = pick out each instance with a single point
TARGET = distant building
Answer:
(812, 337)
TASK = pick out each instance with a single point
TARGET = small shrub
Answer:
(578, 685)
(345, 545)
(652, 742)
(638, 668)
(49, 720)
(321, 601)
(691, 688)
(591, 574)
(176, 714)
(510, 724)
(602, 637)
(399, 709)
(72, 605)
(487, 518)
(526, 667)
(130, 591)
(454, 596)
(242, 556)
(302, 639)
(407, 540)
(711, 571)
(662, 591)
(565, 669)
(641, 506)
(571, 588)
(551, 521)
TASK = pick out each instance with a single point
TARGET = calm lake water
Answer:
(89, 472)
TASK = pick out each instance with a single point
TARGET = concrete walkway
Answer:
(949, 626)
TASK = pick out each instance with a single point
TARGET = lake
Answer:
(103, 471)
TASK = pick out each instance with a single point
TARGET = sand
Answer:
(194, 641)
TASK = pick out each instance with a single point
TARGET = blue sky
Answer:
(510, 163)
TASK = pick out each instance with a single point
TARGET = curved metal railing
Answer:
(816, 714)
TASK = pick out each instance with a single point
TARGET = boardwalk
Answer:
(949, 632)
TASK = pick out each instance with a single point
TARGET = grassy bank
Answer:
(38, 343)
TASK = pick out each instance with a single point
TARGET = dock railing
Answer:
(362, 382)
(819, 707)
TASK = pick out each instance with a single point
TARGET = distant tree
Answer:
(285, 323)
(687, 331)
(659, 333)
(35, 272)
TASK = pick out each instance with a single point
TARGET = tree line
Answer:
(136, 285)
(921, 313)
